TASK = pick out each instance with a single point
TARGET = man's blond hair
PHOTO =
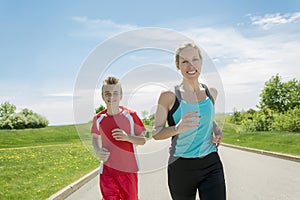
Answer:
(111, 81)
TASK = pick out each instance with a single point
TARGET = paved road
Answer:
(249, 176)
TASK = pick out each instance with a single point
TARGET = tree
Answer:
(24, 119)
(145, 114)
(99, 109)
(6, 110)
(279, 96)
(289, 121)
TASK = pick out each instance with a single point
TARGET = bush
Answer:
(18, 121)
(259, 121)
(24, 119)
(289, 121)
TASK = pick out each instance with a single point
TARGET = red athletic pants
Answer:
(123, 187)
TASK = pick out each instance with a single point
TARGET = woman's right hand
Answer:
(188, 121)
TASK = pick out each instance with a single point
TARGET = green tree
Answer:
(6, 109)
(289, 121)
(145, 114)
(100, 108)
(236, 117)
(24, 119)
(279, 96)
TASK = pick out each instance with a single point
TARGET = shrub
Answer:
(24, 119)
(289, 121)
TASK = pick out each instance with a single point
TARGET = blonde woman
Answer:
(194, 163)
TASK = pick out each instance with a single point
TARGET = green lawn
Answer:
(282, 142)
(36, 163)
(39, 162)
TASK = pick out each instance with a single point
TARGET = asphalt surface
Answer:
(249, 176)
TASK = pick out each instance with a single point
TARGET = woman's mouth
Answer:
(192, 72)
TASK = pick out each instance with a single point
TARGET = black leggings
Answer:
(187, 175)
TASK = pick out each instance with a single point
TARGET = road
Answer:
(249, 176)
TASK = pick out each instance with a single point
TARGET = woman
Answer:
(194, 163)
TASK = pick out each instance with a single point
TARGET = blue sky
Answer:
(45, 43)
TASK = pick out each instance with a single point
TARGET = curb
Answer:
(263, 152)
(68, 190)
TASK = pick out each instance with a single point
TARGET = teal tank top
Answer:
(194, 143)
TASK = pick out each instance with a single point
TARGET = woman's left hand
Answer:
(217, 140)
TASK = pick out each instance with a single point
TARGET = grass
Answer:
(281, 142)
(36, 163)
(39, 162)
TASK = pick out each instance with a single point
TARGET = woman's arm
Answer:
(160, 131)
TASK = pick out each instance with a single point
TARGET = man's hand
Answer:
(103, 154)
(120, 135)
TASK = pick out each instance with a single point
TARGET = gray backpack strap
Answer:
(208, 93)
(177, 93)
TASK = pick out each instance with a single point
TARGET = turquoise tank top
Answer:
(194, 143)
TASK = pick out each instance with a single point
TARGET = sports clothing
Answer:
(193, 143)
(194, 163)
(119, 187)
(122, 157)
(187, 175)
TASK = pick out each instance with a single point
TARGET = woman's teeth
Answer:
(192, 72)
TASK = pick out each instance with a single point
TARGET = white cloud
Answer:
(243, 63)
(246, 63)
(270, 20)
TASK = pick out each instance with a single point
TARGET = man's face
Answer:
(112, 94)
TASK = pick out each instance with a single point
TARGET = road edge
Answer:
(264, 152)
(68, 190)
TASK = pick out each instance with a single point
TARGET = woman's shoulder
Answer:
(167, 97)
(167, 94)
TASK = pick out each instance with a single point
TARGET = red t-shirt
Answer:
(122, 157)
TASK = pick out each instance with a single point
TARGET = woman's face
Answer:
(190, 63)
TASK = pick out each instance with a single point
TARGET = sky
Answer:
(53, 53)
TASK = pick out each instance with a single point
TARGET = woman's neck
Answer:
(190, 85)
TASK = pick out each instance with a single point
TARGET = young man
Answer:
(120, 129)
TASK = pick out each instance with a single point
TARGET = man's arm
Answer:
(120, 135)
(102, 153)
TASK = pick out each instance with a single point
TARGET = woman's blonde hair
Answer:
(183, 46)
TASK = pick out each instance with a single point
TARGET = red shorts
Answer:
(123, 187)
